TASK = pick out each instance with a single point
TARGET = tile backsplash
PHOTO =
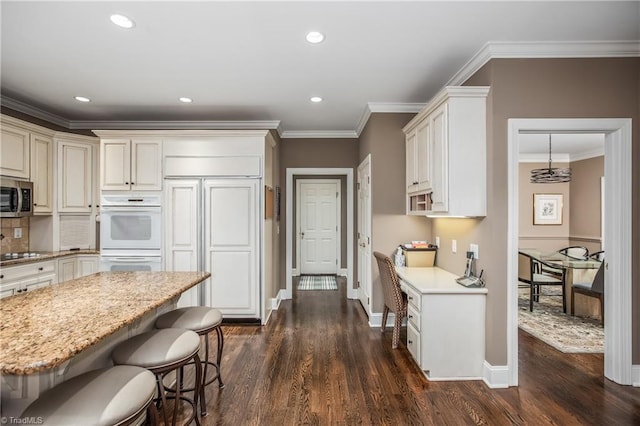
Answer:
(9, 244)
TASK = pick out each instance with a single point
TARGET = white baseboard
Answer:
(375, 320)
(635, 375)
(342, 272)
(495, 376)
(294, 272)
(275, 301)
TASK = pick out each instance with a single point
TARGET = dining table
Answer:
(576, 271)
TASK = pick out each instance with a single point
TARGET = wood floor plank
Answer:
(318, 362)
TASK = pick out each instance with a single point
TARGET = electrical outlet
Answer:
(474, 249)
(438, 242)
(17, 232)
(454, 246)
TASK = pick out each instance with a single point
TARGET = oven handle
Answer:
(130, 259)
(137, 209)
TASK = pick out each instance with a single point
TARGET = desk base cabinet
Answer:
(445, 324)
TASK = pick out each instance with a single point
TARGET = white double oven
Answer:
(131, 232)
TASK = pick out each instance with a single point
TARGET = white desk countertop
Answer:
(435, 281)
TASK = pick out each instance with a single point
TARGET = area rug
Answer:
(548, 323)
(317, 282)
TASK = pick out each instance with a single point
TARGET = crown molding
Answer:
(174, 125)
(319, 134)
(386, 107)
(544, 49)
(35, 112)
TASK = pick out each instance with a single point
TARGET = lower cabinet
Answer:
(77, 266)
(23, 278)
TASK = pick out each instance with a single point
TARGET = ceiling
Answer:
(565, 147)
(249, 62)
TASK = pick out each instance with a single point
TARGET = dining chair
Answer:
(394, 299)
(598, 255)
(529, 273)
(593, 289)
(576, 252)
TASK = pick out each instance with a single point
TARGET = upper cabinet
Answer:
(42, 173)
(14, 152)
(131, 164)
(446, 155)
(75, 176)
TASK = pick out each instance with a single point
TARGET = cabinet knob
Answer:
(19, 291)
(26, 289)
(1, 277)
(410, 298)
(89, 205)
(409, 342)
(410, 316)
(132, 183)
(35, 204)
(126, 183)
(40, 268)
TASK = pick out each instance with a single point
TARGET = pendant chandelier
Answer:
(550, 174)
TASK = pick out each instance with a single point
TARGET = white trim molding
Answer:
(342, 272)
(618, 222)
(544, 49)
(289, 209)
(386, 107)
(275, 301)
(636, 375)
(495, 376)
(319, 134)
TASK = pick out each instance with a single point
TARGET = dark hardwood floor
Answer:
(318, 362)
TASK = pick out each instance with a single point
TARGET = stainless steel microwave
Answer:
(16, 198)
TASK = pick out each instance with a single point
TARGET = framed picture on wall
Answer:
(547, 209)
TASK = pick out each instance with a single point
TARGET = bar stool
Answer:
(110, 396)
(162, 351)
(201, 320)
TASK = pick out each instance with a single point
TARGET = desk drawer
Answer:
(413, 316)
(413, 343)
(414, 298)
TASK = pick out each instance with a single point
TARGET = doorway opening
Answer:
(618, 179)
(292, 249)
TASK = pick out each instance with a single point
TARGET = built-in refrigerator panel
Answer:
(212, 225)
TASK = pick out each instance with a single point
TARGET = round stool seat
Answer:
(157, 348)
(108, 396)
(195, 318)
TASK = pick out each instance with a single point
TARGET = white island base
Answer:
(446, 324)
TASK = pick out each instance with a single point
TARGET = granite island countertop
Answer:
(44, 328)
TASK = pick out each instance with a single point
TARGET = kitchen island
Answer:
(57, 332)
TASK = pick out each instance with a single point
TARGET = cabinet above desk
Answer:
(446, 324)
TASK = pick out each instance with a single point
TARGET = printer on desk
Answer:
(419, 254)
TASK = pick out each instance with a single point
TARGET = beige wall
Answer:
(547, 88)
(543, 237)
(585, 203)
(383, 138)
(311, 153)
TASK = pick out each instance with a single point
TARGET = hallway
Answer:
(318, 362)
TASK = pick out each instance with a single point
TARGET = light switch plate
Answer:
(17, 232)
(474, 249)
(438, 242)
(454, 246)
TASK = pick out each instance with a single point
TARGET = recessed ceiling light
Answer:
(315, 37)
(82, 99)
(186, 100)
(122, 21)
(316, 99)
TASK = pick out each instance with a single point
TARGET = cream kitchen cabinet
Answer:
(76, 266)
(42, 173)
(417, 158)
(23, 278)
(75, 176)
(453, 126)
(14, 151)
(131, 164)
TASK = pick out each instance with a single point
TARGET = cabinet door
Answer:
(8, 289)
(14, 152)
(423, 157)
(67, 269)
(41, 281)
(74, 177)
(146, 161)
(440, 158)
(115, 164)
(411, 162)
(86, 265)
(182, 239)
(42, 173)
(231, 246)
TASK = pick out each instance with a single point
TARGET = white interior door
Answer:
(231, 246)
(364, 234)
(318, 224)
